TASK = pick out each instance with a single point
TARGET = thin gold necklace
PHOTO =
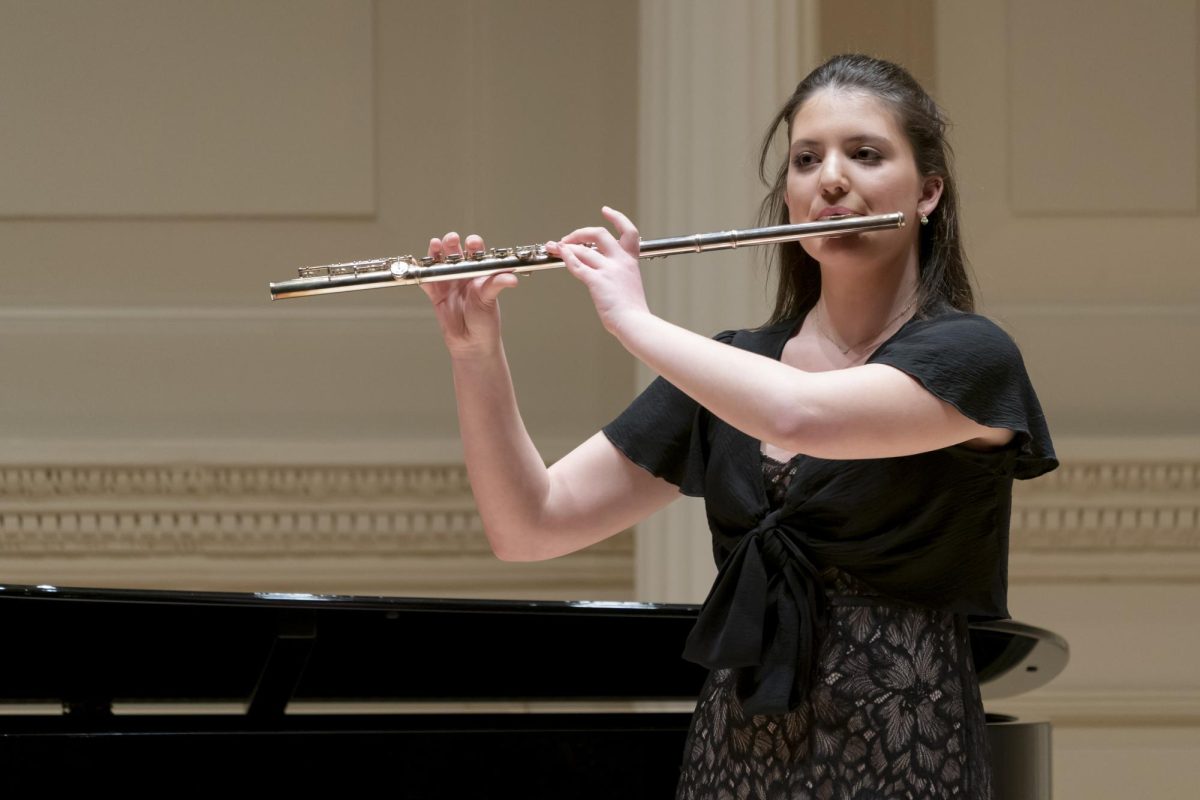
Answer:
(866, 342)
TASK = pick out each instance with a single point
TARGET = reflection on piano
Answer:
(180, 691)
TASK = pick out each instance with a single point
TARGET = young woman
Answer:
(856, 456)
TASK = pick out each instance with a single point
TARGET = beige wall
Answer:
(165, 424)
(1076, 132)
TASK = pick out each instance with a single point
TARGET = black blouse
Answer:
(929, 529)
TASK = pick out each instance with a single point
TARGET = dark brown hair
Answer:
(943, 279)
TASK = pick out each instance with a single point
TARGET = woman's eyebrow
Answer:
(859, 138)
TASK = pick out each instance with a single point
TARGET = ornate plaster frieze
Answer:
(1109, 520)
(1095, 477)
(1090, 520)
(232, 510)
(1136, 506)
(218, 483)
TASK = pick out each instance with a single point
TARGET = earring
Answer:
(924, 220)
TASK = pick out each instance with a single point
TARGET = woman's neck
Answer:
(858, 307)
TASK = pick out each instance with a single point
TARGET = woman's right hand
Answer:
(467, 310)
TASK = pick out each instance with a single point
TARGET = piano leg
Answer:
(1020, 758)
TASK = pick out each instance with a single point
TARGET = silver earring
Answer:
(924, 220)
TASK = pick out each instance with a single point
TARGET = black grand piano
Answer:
(180, 692)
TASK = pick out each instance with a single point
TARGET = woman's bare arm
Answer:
(529, 512)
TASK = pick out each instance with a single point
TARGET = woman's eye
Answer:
(804, 159)
(867, 154)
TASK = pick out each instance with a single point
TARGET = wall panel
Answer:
(1107, 126)
(176, 108)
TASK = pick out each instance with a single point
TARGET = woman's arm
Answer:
(871, 411)
(529, 512)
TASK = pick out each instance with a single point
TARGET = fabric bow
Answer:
(761, 617)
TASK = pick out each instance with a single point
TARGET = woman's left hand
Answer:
(610, 271)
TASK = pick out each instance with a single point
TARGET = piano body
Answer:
(180, 691)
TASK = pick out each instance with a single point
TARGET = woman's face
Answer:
(848, 155)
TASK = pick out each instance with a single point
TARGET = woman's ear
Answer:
(931, 193)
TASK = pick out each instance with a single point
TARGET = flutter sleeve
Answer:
(970, 363)
(664, 432)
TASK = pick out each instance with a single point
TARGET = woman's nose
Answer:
(833, 175)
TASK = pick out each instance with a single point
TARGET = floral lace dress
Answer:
(894, 713)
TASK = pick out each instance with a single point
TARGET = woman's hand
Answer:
(610, 271)
(467, 310)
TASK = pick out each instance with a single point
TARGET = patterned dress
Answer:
(894, 712)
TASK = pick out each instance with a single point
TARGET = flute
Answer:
(410, 271)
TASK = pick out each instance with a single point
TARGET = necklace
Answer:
(866, 342)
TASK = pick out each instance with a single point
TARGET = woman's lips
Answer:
(836, 211)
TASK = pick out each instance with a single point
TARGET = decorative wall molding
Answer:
(1107, 505)
(396, 529)
(1103, 519)
(1109, 520)
(1109, 475)
(1113, 707)
(240, 534)
(217, 484)
(240, 510)
(1135, 528)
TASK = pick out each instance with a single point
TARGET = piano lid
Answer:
(266, 650)
(1012, 658)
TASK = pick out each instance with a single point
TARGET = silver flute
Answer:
(410, 271)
